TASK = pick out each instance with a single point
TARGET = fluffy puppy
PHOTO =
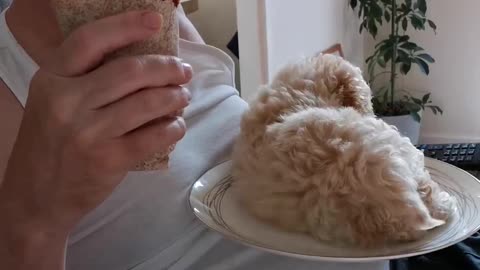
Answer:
(312, 158)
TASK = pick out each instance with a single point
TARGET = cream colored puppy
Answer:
(313, 158)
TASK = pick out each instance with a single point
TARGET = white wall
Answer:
(216, 20)
(307, 28)
(274, 32)
(253, 45)
(455, 77)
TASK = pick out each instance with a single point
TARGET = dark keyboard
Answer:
(462, 155)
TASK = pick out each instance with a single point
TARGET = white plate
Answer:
(215, 204)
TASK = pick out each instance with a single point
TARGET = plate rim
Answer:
(350, 259)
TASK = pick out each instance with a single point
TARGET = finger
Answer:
(153, 138)
(138, 109)
(121, 77)
(86, 47)
(178, 113)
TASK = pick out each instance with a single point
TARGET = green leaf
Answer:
(424, 21)
(408, 3)
(385, 47)
(381, 62)
(387, 16)
(432, 25)
(426, 57)
(369, 59)
(386, 42)
(388, 56)
(403, 38)
(403, 57)
(417, 22)
(384, 57)
(399, 18)
(416, 116)
(380, 43)
(436, 109)
(409, 46)
(418, 49)
(353, 3)
(405, 68)
(405, 24)
(422, 65)
(417, 101)
(387, 3)
(421, 14)
(372, 59)
(362, 26)
(372, 28)
(422, 6)
(426, 98)
(376, 10)
(360, 10)
(412, 107)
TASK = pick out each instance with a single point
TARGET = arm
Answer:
(20, 245)
(10, 116)
(27, 246)
(187, 29)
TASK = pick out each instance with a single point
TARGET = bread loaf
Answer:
(72, 14)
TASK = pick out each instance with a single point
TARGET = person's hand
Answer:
(86, 123)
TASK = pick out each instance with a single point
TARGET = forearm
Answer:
(187, 29)
(26, 245)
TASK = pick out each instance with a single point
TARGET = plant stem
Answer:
(394, 53)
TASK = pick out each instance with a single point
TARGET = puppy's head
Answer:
(331, 78)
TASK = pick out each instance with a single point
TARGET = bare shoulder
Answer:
(11, 112)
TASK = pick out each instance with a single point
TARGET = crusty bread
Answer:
(72, 14)
(159, 161)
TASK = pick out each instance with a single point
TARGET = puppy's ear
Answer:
(431, 223)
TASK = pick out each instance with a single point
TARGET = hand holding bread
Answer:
(73, 14)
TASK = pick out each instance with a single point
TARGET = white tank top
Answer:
(147, 224)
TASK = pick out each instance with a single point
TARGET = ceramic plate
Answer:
(215, 204)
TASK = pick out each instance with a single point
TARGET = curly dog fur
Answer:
(312, 158)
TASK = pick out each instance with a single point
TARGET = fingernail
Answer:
(187, 93)
(187, 70)
(181, 122)
(152, 20)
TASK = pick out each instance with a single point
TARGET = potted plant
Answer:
(396, 55)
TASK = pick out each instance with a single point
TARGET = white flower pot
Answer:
(406, 125)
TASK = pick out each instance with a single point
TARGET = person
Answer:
(72, 126)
